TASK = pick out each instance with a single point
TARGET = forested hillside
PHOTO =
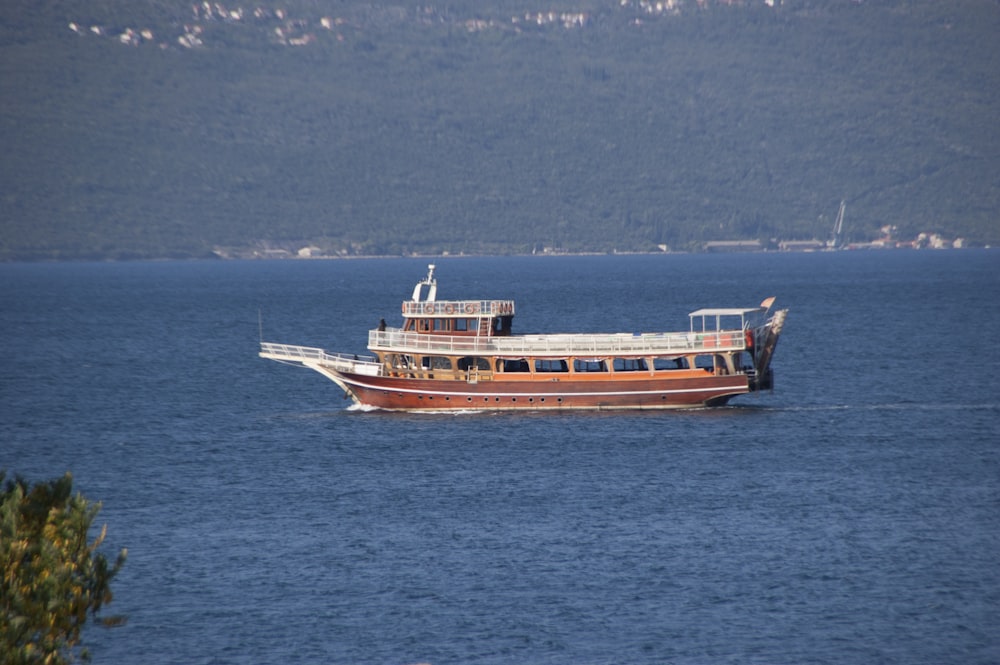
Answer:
(166, 128)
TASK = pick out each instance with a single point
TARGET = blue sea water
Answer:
(851, 516)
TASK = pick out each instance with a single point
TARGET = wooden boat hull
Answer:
(407, 394)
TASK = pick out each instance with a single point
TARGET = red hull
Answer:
(405, 394)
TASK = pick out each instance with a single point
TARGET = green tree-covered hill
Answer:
(164, 129)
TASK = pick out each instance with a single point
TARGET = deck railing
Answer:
(305, 355)
(396, 340)
(458, 308)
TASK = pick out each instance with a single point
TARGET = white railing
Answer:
(558, 345)
(307, 355)
(458, 308)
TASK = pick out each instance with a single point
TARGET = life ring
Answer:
(429, 308)
(449, 309)
(469, 308)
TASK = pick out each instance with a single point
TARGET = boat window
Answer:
(469, 362)
(585, 365)
(661, 364)
(519, 365)
(550, 365)
(629, 364)
(461, 324)
(720, 364)
(399, 361)
(402, 361)
(440, 324)
(704, 361)
(436, 362)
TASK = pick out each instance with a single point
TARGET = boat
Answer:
(460, 355)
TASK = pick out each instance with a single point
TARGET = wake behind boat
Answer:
(457, 355)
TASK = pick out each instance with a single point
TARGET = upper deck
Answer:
(430, 327)
(395, 340)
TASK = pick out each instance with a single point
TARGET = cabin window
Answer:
(424, 325)
(436, 362)
(663, 364)
(629, 364)
(399, 361)
(550, 365)
(721, 366)
(704, 361)
(476, 362)
(440, 325)
(585, 365)
(515, 365)
(460, 324)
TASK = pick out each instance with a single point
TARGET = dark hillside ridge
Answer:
(166, 129)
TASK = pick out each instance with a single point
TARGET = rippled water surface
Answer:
(851, 516)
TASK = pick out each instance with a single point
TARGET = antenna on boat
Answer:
(429, 282)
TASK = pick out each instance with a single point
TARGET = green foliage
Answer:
(52, 577)
(403, 131)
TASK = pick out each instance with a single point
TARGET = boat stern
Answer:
(767, 336)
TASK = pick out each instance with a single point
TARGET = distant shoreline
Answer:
(361, 257)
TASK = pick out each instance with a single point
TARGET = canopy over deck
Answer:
(712, 318)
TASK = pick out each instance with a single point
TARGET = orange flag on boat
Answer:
(766, 304)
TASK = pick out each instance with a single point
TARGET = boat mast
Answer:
(838, 227)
